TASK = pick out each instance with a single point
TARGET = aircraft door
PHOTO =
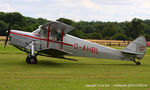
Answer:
(44, 37)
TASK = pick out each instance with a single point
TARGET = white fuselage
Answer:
(73, 45)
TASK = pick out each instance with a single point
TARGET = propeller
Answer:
(8, 32)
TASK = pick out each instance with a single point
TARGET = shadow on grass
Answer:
(68, 64)
(49, 63)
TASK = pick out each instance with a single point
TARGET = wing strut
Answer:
(62, 34)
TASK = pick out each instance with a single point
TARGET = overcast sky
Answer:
(88, 10)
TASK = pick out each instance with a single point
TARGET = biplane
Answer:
(52, 40)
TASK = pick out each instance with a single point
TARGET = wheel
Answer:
(138, 63)
(28, 59)
(31, 60)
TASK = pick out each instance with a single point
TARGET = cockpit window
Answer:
(37, 32)
(44, 34)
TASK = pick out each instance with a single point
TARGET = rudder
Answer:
(137, 47)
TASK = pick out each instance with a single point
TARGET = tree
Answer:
(3, 28)
(95, 35)
(42, 21)
(147, 36)
(20, 22)
(82, 29)
(66, 21)
(78, 33)
(134, 28)
(120, 36)
(109, 30)
(3, 16)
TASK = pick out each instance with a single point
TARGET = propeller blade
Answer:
(7, 34)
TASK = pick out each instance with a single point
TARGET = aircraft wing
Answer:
(55, 52)
(57, 27)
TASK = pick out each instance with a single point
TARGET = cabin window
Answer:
(37, 32)
(44, 34)
(53, 35)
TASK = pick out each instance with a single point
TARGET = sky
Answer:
(77, 10)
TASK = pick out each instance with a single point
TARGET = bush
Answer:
(95, 35)
(3, 28)
(120, 37)
(147, 36)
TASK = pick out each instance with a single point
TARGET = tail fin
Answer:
(137, 47)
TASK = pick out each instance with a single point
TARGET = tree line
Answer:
(127, 30)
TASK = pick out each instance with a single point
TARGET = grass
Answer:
(56, 74)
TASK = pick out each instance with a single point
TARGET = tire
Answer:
(31, 60)
(138, 63)
(28, 59)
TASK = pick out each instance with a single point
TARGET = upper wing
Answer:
(57, 27)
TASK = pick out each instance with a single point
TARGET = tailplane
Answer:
(137, 47)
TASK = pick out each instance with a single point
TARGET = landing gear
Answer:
(31, 58)
(136, 62)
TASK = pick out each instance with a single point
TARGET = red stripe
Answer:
(40, 38)
(26, 36)
(48, 36)
(67, 44)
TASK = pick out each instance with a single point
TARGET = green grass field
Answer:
(60, 74)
